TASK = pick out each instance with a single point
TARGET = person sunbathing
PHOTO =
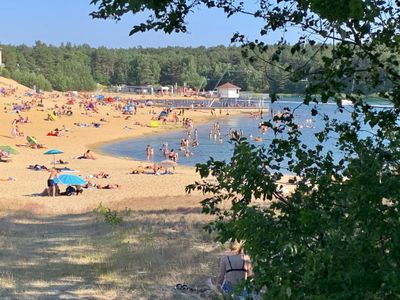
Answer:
(138, 170)
(101, 174)
(108, 186)
(61, 162)
(37, 167)
(37, 146)
(56, 132)
(7, 179)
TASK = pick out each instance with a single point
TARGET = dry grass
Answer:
(81, 257)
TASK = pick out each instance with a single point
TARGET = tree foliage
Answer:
(336, 236)
(80, 67)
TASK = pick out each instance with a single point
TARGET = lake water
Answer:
(222, 150)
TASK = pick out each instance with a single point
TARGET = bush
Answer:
(112, 217)
(31, 80)
(5, 73)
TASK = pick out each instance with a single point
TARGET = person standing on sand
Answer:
(14, 130)
(51, 184)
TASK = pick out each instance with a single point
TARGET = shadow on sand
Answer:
(79, 256)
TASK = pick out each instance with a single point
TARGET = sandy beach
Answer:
(138, 192)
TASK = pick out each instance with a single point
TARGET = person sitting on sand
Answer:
(87, 155)
(72, 190)
(234, 268)
(156, 169)
(61, 162)
(108, 186)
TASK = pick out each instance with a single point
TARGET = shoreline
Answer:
(97, 146)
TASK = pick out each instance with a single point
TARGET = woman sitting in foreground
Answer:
(234, 268)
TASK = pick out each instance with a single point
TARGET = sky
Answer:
(61, 21)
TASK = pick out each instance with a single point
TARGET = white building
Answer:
(137, 89)
(228, 91)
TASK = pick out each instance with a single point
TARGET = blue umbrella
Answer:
(69, 179)
(54, 152)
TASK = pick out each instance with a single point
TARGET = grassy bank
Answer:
(81, 256)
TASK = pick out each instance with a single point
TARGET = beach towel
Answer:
(154, 124)
(52, 117)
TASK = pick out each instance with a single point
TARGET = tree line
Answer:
(71, 67)
(81, 67)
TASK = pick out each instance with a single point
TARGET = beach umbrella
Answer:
(167, 163)
(32, 140)
(53, 152)
(69, 179)
(9, 149)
